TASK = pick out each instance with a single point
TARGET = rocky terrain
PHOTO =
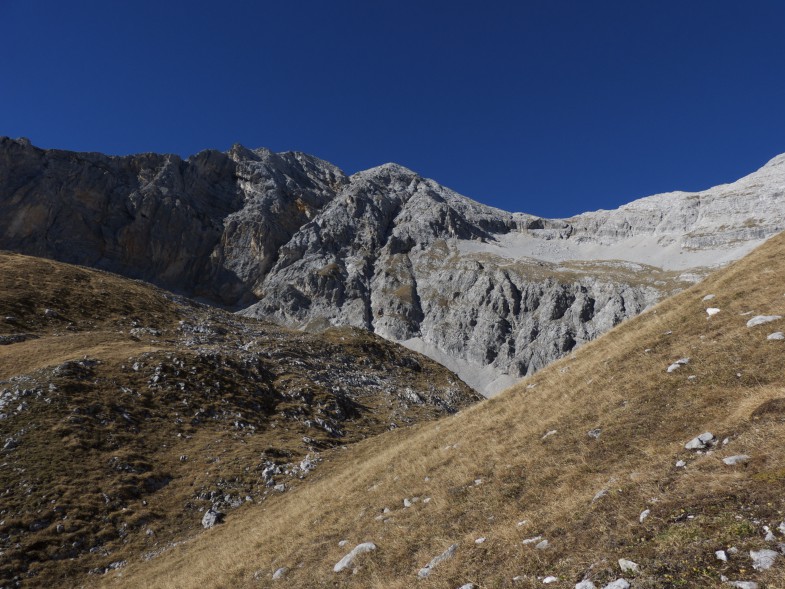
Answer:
(650, 458)
(132, 419)
(288, 237)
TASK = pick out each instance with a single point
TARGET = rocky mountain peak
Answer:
(493, 295)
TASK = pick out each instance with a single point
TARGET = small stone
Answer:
(720, 554)
(468, 586)
(769, 534)
(781, 528)
(712, 311)
(777, 335)
(743, 584)
(550, 579)
(549, 434)
(479, 540)
(628, 566)
(599, 495)
(680, 464)
(212, 517)
(447, 554)
(678, 364)
(60, 528)
(542, 545)
(407, 502)
(51, 313)
(532, 540)
(618, 584)
(280, 573)
(733, 550)
(280, 488)
(585, 585)
(709, 297)
(700, 442)
(734, 460)
(342, 543)
(644, 514)
(594, 433)
(761, 319)
(763, 560)
(348, 560)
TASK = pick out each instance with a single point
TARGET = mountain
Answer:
(127, 414)
(491, 295)
(648, 458)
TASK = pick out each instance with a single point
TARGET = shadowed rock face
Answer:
(492, 295)
(209, 226)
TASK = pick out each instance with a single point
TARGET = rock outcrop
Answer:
(490, 294)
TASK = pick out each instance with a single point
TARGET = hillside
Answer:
(492, 295)
(127, 414)
(588, 454)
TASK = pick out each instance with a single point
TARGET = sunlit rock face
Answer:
(492, 295)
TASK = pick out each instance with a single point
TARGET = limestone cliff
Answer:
(491, 294)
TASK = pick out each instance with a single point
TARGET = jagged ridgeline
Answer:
(649, 458)
(131, 419)
(492, 295)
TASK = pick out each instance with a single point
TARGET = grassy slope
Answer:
(178, 407)
(618, 384)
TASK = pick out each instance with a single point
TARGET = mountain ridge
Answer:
(290, 237)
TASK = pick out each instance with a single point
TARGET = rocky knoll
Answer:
(491, 294)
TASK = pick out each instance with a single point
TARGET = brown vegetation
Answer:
(490, 471)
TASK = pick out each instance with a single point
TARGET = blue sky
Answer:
(550, 107)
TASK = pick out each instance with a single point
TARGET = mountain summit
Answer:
(492, 295)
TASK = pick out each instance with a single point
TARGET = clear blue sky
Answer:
(551, 107)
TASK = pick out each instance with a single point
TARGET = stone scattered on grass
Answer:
(549, 434)
(680, 464)
(709, 297)
(211, 517)
(763, 560)
(628, 566)
(550, 579)
(720, 554)
(468, 586)
(777, 335)
(678, 364)
(542, 545)
(761, 319)
(479, 540)
(734, 460)
(644, 514)
(618, 584)
(585, 585)
(532, 540)
(712, 311)
(743, 584)
(599, 495)
(348, 560)
(700, 442)
(446, 555)
(594, 433)
(280, 573)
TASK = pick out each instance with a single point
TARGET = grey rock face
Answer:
(492, 295)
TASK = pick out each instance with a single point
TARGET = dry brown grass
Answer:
(618, 384)
(97, 476)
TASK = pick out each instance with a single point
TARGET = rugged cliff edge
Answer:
(492, 295)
